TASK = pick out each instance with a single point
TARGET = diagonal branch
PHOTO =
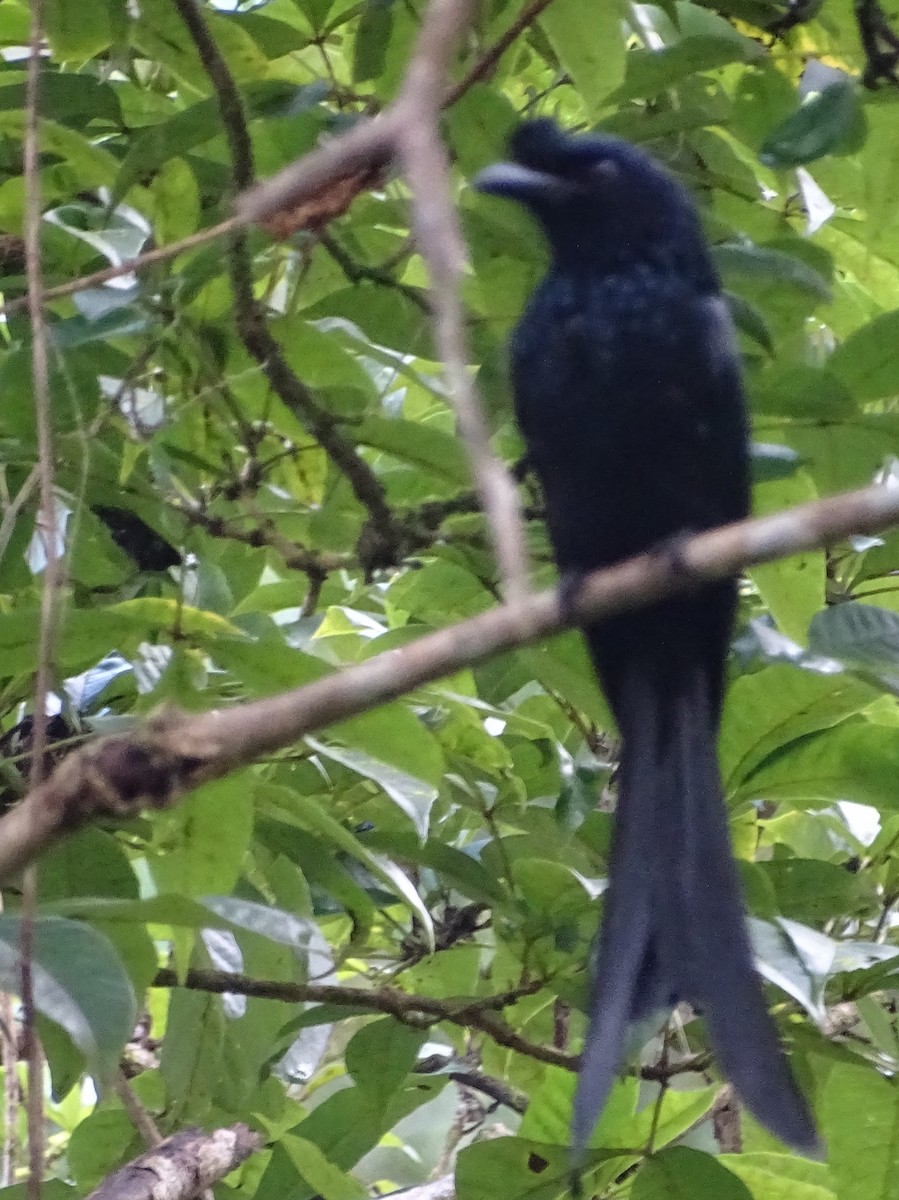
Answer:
(156, 764)
(415, 1010)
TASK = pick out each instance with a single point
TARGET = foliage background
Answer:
(448, 845)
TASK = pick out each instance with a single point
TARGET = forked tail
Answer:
(674, 927)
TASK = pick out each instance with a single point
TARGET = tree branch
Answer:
(182, 1166)
(157, 763)
(418, 1011)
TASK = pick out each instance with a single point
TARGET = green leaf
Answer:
(860, 636)
(769, 709)
(858, 761)
(381, 1056)
(438, 590)
(868, 360)
(652, 71)
(69, 99)
(307, 813)
(100, 1141)
(512, 1166)
(828, 120)
(78, 981)
(792, 588)
(781, 1176)
(205, 850)
(372, 39)
(81, 31)
(860, 1123)
(679, 1173)
(589, 40)
(478, 126)
(93, 166)
(465, 871)
(809, 890)
(163, 37)
(422, 445)
(412, 796)
(323, 1177)
(347, 1125)
(795, 958)
(771, 266)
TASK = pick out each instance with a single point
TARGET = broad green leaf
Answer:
(81, 31)
(479, 125)
(809, 890)
(858, 761)
(466, 872)
(307, 813)
(770, 266)
(860, 1123)
(320, 867)
(861, 636)
(94, 166)
(380, 1057)
(67, 98)
(191, 1055)
(323, 1177)
(590, 42)
(512, 1166)
(393, 737)
(372, 39)
(412, 796)
(781, 1176)
(439, 589)
(102, 1139)
(680, 1173)
(163, 36)
(320, 359)
(868, 360)
(773, 707)
(347, 1125)
(651, 71)
(301, 934)
(78, 982)
(208, 838)
(423, 446)
(792, 588)
(830, 120)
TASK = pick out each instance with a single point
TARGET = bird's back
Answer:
(629, 396)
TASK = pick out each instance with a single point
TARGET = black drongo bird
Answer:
(628, 392)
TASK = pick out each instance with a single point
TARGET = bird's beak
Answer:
(515, 182)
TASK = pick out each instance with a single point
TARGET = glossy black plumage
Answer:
(628, 393)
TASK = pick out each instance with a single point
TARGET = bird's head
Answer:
(595, 196)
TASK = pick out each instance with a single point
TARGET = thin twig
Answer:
(137, 1114)
(488, 60)
(147, 259)
(418, 1011)
(10, 1061)
(48, 533)
(501, 1092)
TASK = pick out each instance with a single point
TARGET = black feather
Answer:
(629, 395)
